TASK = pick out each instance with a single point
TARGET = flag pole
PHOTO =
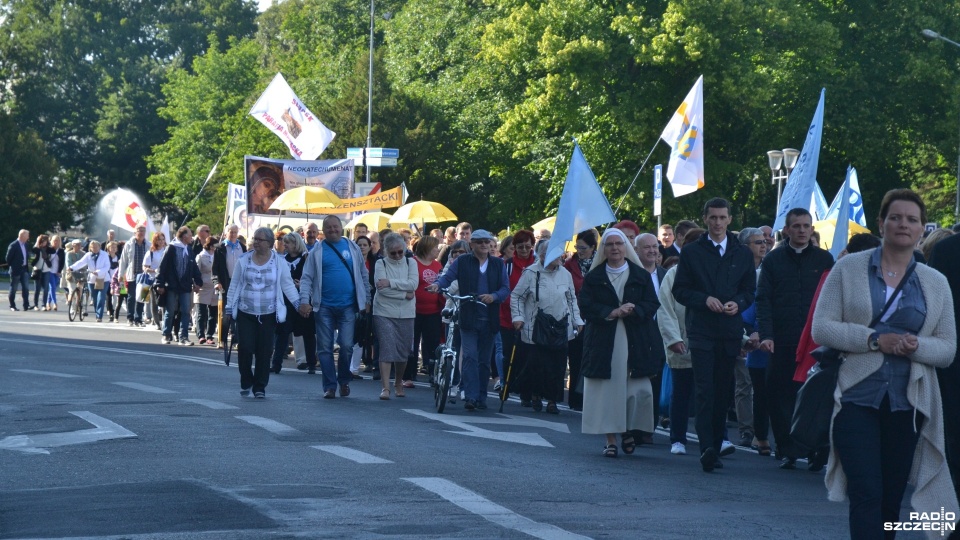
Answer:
(213, 170)
(644, 164)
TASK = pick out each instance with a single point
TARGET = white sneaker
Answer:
(678, 448)
(727, 448)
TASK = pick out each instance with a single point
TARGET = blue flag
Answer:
(803, 178)
(841, 232)
(582, 205)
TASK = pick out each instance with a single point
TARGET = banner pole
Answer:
(644, 164)
(210, 174)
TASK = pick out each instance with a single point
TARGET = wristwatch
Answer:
(874, 341)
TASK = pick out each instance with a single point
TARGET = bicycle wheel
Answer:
(446, 374)
(84, 300)
(72, 305)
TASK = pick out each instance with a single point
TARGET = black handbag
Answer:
(810, 425)
(547, 330)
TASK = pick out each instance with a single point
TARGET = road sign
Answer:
(376, 157)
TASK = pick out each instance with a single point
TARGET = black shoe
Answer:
(818, 460)
(718, 464)
(524, 403)
(709, 459)
(302, 366)
(665, 422)
(537, 405)
(746, 440)
(312, 371)
(482, 405)
(14, 308)
(552, 408)
(259, 395)
(376, 376)
(277, 368)
(470, 405)
(788, 463)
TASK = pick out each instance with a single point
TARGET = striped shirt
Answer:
(258, 291)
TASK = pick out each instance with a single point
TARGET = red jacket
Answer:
(515, 266)
(804, 360)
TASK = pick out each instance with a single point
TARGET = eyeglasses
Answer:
(396, 253)
(457, 252)
(759, 242)
(262, 240)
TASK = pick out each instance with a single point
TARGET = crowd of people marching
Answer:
(635, 329)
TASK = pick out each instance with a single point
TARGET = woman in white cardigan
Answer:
(97, 265)
(887, 424)
(557, 298)
(394, 310)
(260, 281)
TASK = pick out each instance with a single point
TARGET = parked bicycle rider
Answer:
(486, 277)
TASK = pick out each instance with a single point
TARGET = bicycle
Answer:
(78, 299)
(442, 377)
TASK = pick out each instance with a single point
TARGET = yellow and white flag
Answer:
(684, 133)
(282, 111)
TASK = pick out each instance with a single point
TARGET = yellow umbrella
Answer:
(827, 227)
(422, 212)
(305, 199)
(547, 224)
(374, 221)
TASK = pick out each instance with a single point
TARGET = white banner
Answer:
(128, 211)
(283, 113)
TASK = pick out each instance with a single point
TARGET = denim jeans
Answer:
(329, 320)
(134, 308)
(682, 379)
(477, 350)
(53, 282)
(875, 448)
(206, 320)
(99, 296)
(177, 302)
(23, 280)
(40, 291)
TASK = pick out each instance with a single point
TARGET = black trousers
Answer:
(255, 336)
(547, 365)
(949, 380)
(520, 375)
(426, 338)
(875, 447)
(575, 359)
(782, 397)
(761, 418)
(713, 376)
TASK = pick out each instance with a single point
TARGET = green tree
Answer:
(30, 192)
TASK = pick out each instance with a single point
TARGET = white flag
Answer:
(282, 111)
(855, 211)
(684, 133)
(128, 211)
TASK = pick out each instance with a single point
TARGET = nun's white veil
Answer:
(601, 256)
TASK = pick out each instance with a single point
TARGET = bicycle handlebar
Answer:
(470, 298)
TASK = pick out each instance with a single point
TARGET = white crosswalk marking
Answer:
(353, 455)
(491, 511)
(215, 405)
(48, 373)
(270, 425)
(145, 388)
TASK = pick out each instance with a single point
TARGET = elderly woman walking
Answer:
(545, 296)
(618, 302)
(888, 419)
(97, 265)
(295, 256)
(259, 284)
(394, 310)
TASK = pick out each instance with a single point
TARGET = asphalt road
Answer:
(106, 433)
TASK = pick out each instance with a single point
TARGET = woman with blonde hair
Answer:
(926, 247)
(57, 264)
(151, 265)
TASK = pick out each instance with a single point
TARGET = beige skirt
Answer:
(617, 404)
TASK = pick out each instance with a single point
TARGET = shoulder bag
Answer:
(547, 330)
(810, 425)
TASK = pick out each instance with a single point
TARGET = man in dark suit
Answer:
(716, 281)
(19, 265)
(647, 250)
(224, 261)
(946, 259)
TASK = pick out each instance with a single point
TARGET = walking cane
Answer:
(220, 315)
(504, 392)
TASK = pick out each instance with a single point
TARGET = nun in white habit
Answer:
(618, 303)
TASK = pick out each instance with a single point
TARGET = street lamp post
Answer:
(782, 163)
(930, 34)
(366, 159)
